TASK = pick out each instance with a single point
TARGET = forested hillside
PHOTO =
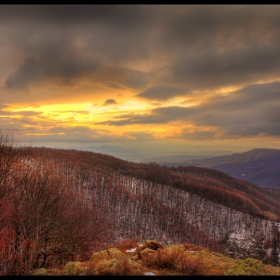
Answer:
(208, 183)
(58, 205)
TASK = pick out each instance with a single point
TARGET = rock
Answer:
(249, 266)
(148, 254)
(73, 268)
(134, 268)
(154, 245)
(116, 253)
(102, 255)
(140, 248)
(107, 267)
(40, 271)
(135, 257)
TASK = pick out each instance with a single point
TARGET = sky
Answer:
(147, 79)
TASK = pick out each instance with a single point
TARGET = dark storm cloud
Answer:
(109, 102)
(185, 48)
(136, 79)
(73, 14)
(64, 43)
(228, 69)
(252, 111)
(64, 67)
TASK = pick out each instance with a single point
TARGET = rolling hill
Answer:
(58, 205)
(260, 166)
(206, 182)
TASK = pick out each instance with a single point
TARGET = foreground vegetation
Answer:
(151, 258)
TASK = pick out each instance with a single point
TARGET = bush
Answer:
(127, 244)
(175, 260)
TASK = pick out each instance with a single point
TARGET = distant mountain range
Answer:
(260, 166)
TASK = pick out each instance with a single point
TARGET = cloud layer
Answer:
(174, 72)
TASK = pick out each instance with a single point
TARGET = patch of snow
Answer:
(131, 250)
(149, 273)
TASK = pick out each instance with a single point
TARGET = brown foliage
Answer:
(192, 247)
(175, 260)
(126, 244)
(44, 221)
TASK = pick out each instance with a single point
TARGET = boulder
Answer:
(153, 244)
(39, 272)
(73, 268)
(107, 267)
(116, 253)
(135, 257)
(102, 255)
(148, 254)
(134, 267)
(140, 248)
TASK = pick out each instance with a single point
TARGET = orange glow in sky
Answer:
(152, 79)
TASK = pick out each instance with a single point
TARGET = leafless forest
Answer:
(57, 205)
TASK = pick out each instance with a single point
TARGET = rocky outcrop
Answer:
(98, 256)
(152, 258)
(106, 267)
(73, 268)
(115, 262)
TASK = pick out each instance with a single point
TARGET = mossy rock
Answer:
(99, 256)
(136, 257)
(134, 267)
(39, 272)
(107, 267)
(146, 253)
(73, 268)
(116, 253)
(249, 266)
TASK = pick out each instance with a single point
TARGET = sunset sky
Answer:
(157, 79)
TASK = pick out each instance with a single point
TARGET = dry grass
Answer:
(122, 269)
(176, 261)
(191, 247)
